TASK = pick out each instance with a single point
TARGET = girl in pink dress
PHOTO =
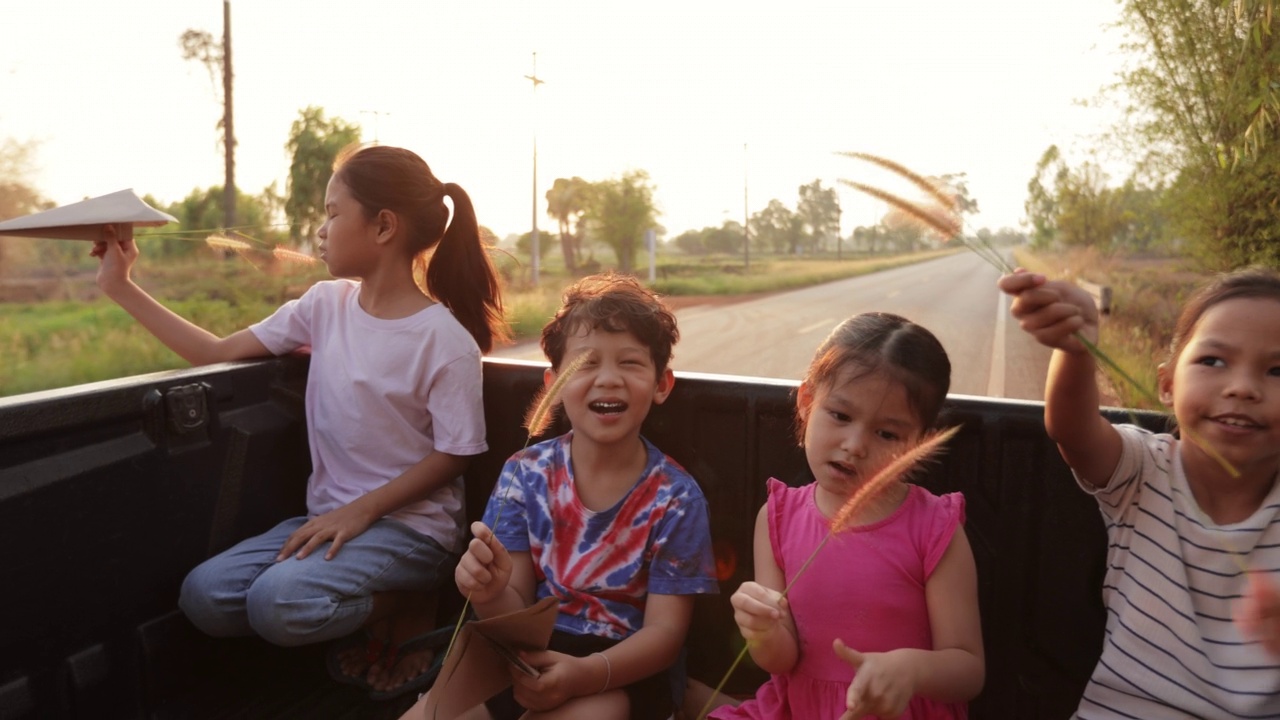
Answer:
(884, 622)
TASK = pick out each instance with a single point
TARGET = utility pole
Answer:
(533, 239)
(228, 128)
(377, 114)
(839, 242)
(746, 218)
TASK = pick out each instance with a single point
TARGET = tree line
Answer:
(1202, 100)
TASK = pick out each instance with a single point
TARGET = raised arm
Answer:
(1053, 312)
(190, 341)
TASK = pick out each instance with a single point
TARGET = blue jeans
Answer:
(244, 591)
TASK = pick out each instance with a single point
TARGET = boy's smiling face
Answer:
(609, 397)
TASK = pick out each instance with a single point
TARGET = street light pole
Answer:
(746, 218)
(839, 242)
(533, 244)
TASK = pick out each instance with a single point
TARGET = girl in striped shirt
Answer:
(1193, 517)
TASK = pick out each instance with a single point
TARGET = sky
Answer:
(726, 104)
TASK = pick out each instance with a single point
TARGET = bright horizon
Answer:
(675, 89)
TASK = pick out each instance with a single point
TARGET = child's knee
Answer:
(607, 706)
(287, 610)
(210, 607)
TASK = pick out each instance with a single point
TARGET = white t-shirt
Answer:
(382, 395)
(1172, 583)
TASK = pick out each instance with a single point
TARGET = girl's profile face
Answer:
(1224, 388)
(853, 427)
(347, 236)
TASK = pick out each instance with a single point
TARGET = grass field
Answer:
(82, 337)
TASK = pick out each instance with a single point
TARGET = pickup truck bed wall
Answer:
(110, 493)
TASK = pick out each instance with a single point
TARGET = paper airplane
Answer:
(476, 670)
(86, 219)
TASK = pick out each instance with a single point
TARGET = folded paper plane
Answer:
(86, 219)
(479, 665)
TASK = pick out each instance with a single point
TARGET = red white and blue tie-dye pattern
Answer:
(602, 565)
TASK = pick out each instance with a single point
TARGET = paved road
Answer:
(775, 336)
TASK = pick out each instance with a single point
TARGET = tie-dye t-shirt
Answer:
(602, 565)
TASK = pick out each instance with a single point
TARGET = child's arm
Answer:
(1053, 312)
(348, 521)
(495, 580)
(653, 648)
(953, 671)
(190, 341)
(760, 610)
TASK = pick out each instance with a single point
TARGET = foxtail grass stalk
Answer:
(896, 471)
(930, 187)
(222, 242)
(283, 253)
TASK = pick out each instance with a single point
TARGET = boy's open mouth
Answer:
(607, 407)
(1242, 422)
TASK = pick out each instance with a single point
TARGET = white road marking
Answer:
(825, 322)
(995, 381)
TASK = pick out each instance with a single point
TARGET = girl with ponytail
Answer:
(393, 409)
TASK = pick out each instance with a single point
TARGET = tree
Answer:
(314, 143)
(18, 196)
(819, 210)
(1041, 193)
(726, 239)
(867, 236)
(1087, 213)
(619, 211)
(1203, 100)
(199, 45)
(766, 226)
(1256, 46)
(201, 210)
(567, 202)
(691, 242)
(902, 230)
(777, 228)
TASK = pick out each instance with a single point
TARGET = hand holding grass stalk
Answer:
(894, 472)
(536, 421)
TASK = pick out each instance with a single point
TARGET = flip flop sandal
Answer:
(375, 649)
(437, 640)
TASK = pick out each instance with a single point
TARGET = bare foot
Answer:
(400, 664)
(402, 670)
(357, 661)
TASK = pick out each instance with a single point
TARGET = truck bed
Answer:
(111, 492)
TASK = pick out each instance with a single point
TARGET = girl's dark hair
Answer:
(459, 273)
(613, 303)
(1247, 283)
(884, 342)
